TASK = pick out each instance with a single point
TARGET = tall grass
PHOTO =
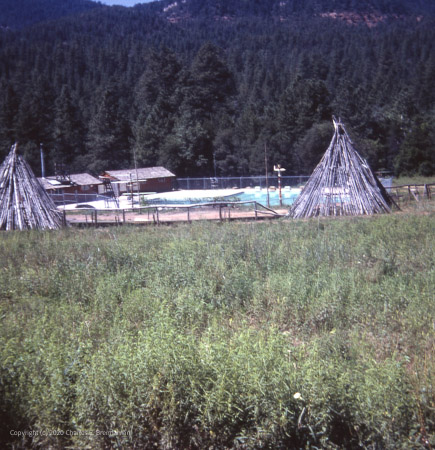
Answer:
(278, 335)
(403, 180)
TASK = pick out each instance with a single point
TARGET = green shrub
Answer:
(266, 335)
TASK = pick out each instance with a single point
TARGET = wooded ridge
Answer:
(200, 86)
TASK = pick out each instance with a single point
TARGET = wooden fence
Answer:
(415, 192)
(157, 214)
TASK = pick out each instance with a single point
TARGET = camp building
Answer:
(76, 183)
(149, 179)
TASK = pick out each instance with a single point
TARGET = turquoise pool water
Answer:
(288, 196)
(189, 197)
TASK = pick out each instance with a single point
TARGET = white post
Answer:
(131, 191)
(279, 169)
(267, 178)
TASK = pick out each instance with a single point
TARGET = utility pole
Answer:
(42, 160)
(131, 191)
(267, 176)
(137, 175)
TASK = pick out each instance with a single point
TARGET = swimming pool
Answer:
(289, 195)
(188, 197)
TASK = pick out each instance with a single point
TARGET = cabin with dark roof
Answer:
(76, 183)
(147, 179)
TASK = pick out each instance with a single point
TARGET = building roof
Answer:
(84, 179)
(77, 179)
(145, 173)
(49, 183)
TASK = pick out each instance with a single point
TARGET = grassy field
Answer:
(288, 334)
(413, 180)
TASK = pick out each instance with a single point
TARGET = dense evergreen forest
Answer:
(201, 86)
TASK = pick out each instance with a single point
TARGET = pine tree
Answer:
(8, 115)
(35, 113)
(108, 140)
(156, 105)
(68, 142)
(212, 81)
(416, 153)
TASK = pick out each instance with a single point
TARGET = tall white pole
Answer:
(42, 160)
(279, 169)
(267, 176)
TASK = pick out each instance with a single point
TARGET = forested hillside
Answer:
(21, 13)
(200, 86)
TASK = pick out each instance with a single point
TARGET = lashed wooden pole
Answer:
(24, 203)
(341, 184)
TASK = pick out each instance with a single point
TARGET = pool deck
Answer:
(176, 207)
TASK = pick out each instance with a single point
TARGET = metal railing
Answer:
(204, 183)
(239, 182)
(70, 198)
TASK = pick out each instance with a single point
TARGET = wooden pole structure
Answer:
(24, 203)
(341, 184)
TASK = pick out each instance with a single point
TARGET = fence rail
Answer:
(183, 213)
(222, 210)
(412, 191)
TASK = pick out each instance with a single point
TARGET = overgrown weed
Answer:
(269, 335)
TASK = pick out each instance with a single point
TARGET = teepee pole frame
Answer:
(24, 203)
(341, 184)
